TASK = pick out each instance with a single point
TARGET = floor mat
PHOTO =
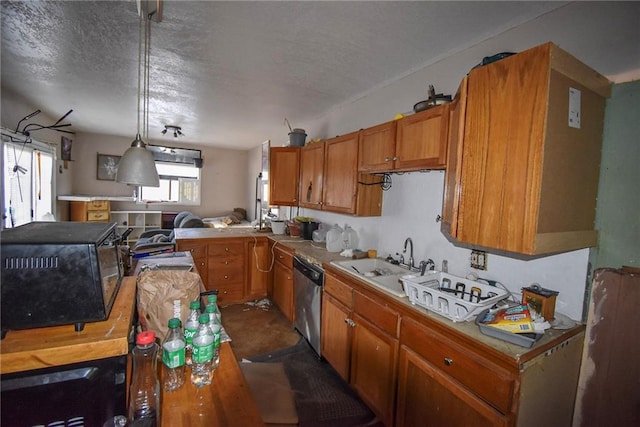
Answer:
(272, 392)
(323, 399)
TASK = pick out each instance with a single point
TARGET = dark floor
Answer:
(262, 334)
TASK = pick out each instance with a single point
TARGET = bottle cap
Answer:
(174, 323)
(194, 305)
(204, 318)
(211, 309)
(212, 298)
(145, 337)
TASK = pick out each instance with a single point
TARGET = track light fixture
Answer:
(177, 130)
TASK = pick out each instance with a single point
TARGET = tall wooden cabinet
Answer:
(284, 167)
(527, 166)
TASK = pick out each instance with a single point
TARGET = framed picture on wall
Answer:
(107, 166)
(65, 148)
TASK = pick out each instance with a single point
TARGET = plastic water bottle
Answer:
(216, 328)
(173, 354)
(190, 328)
(203, 349)
(144, 396)
(213, 300)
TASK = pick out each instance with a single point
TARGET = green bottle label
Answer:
(173, 359)
(188, 335)
(203, 353)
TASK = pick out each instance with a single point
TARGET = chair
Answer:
(163, 237)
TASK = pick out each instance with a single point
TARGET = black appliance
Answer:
(58, 273)
(82, 394)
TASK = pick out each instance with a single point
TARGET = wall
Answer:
(223, 179)
(618, 209)
(415, 199)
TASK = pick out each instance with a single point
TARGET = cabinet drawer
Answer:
(226, 275)
(283, 256)
(234, 261)
(230, 292)
(98, 216)
(487, 380)
(226, 249)
(381, 316)
(339, 290)
(197, 250)
(98, 205)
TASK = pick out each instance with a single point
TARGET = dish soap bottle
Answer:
(349, 238)
(334, 239)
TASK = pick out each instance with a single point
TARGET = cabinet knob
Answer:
(396, 158)
(226, 249)
(226, 277)
(448, 361)
(387, 159)
(226, 263)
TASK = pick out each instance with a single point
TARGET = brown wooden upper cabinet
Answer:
(415, 142)
(312, 175)
(284, 166)
(524, 157)
(329, 179)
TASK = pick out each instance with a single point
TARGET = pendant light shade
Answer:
(137, 166)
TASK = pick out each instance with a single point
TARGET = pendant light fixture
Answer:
(137, 166)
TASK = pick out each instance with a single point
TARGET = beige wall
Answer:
(224, 180)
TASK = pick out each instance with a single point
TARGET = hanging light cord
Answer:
(147, 67)
(140, 18)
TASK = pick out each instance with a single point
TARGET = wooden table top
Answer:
(226, 402)
(37, 348)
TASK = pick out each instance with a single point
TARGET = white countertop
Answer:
(88, 198)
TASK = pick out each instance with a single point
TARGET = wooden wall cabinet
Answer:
(330, 181)
(528, 172)
(359, 339)
(284, 169)
(282, 293)
(415, 142)
(312, 175)
(92, 211)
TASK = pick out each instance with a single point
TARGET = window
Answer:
(179, 177)
(27, 182)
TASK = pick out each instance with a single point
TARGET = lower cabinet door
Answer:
(373, 368)
(283, 290)
(428, 397)
(336, 335)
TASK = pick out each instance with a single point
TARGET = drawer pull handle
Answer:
(448, 361)
(350, 322)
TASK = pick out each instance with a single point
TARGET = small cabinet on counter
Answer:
(92, 211)
(525, 157)
(282, 292)
(284, 168)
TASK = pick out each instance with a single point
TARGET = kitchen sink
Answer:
(377, 272)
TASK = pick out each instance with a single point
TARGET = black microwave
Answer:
(58, 273)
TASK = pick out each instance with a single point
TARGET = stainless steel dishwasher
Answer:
(308, 280)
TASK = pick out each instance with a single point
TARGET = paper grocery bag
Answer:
(163, 294)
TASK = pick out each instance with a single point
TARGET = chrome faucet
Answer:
(411, 261)
(426, 264)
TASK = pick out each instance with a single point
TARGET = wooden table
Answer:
(226, 402)
(29, 349)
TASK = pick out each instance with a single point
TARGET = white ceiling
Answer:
(229, 73)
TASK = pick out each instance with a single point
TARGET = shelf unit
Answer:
(140, 221)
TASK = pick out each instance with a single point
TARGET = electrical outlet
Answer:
(479, 259)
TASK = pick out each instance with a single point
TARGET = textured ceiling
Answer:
(230, 72)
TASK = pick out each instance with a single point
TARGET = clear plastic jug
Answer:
(334, 239)
(349, 238)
